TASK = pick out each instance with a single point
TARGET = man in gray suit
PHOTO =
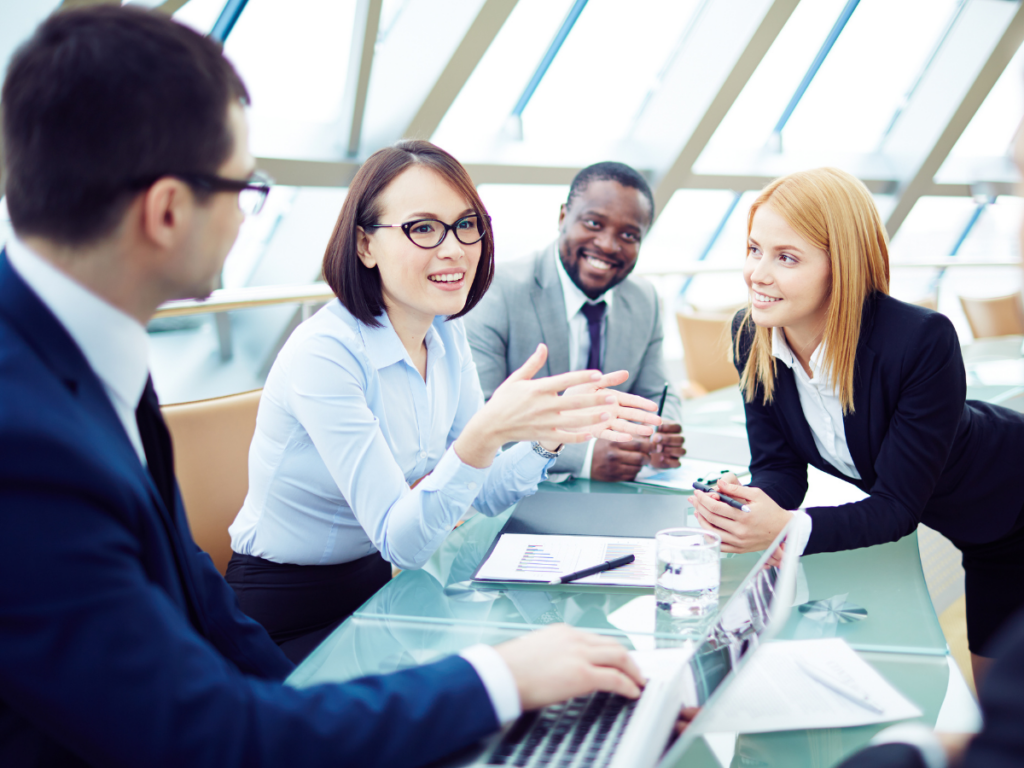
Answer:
(576, 296)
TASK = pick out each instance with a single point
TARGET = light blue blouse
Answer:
(346, 424)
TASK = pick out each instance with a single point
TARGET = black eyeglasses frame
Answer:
(408, 225)
(258, 182)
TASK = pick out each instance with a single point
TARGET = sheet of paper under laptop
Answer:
(806, 684)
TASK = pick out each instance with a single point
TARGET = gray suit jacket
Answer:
(525, 306)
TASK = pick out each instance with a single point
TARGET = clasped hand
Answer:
(741, 531)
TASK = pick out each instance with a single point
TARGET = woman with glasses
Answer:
(838, 375)
(372, 438)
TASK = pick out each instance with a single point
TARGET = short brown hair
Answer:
(101, 100)
(358, 286)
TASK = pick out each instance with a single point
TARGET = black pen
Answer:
(605, 566)
(661, 405)
(725, 499)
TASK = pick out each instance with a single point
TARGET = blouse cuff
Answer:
(452, 475)
(528, 465)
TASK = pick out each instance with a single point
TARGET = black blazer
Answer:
(1001, 741)
(925, 454)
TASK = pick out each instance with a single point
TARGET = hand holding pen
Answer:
(666, 445)
(746, 518)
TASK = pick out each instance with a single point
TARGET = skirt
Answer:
(300, 605)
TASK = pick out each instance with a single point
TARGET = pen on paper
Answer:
(725, 499)
(857, 697)
(608, 565)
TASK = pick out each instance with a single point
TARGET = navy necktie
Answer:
(594, 314)
(156, 442)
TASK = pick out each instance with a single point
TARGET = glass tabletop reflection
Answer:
(886, 581)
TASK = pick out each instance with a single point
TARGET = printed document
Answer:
(540, 559)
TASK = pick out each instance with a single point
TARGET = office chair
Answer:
(705, 336)
(998, 316)
(211, 459)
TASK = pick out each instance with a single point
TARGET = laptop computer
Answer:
(603, 729)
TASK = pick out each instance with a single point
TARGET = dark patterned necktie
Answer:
(594, 314)
(156, 441)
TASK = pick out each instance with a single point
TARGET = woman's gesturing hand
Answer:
(740, 531)
(524, 408)
(626, 409)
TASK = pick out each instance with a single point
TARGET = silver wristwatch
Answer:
(544, 453)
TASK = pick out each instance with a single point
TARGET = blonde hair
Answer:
(833, 211)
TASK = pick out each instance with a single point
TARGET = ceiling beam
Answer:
(170, 6)
(467, 55)
(339, 173)
(309, 173)
(774, 20)
(366, 49)
(67, 5)
(922, 180)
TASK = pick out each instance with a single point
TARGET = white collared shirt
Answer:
(579, 334)
(114, 344)
(820, 403)
(579, 331)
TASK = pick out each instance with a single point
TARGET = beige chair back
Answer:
(999, 316)
(211, 459)
(705, 337)
(931, 301)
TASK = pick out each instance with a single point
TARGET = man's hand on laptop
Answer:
(559, 662)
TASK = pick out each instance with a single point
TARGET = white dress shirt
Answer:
(114, 344)
(116, 347)
(820, 403)
(346, 425)
(579, 333)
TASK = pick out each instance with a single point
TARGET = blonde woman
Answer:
(838, 375)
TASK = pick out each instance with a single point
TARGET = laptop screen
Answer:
(756, 611)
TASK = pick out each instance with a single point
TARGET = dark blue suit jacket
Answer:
(1001, 741)
(120, 643)
(924, 453)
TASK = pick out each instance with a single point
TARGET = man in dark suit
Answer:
(127, 162)
(576, 296)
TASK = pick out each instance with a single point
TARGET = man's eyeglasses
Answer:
(430, 233)
(252, 192)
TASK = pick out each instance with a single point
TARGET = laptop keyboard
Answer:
(581, 732)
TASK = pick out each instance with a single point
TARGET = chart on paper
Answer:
(536, 559)
(539, 558)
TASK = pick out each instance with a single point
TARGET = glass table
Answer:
(374, 644)
(420, 616)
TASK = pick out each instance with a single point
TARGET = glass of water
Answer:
(686, 588)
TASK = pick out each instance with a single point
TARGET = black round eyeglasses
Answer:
(430, 233)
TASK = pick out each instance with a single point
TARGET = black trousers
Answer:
(993, 585)
(300, 605)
